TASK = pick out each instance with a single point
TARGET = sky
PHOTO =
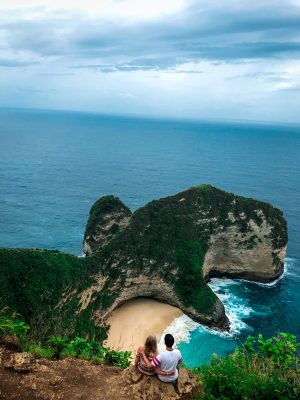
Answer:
(194, 59)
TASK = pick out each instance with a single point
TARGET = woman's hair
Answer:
(150, 345)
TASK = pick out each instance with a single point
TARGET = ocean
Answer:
(54, 165)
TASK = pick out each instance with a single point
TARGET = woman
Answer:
(145, 355)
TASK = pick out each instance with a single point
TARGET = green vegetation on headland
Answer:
(260, 369)
(159, 251)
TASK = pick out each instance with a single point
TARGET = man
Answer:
(166, 363)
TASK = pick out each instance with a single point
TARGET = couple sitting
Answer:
(163, 364)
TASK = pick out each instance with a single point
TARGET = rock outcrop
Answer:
(108, 216)
(166, 250)
(173, 245)
(76, 379)
(136, 386)
(22, 362)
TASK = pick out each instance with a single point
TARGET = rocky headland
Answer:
(166, 250)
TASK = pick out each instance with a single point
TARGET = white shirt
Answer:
(168, 361)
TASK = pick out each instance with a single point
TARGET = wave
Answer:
(236, 309)
(181, 328)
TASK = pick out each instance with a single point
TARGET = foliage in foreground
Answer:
(261, 369)
(11, 324)
(58, 347)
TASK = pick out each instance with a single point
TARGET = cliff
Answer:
(166, 250)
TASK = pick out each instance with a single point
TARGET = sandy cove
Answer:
(131, 323)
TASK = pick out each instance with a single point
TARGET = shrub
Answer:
(10, 324)
(88, 350)
(39, 351)
(58, 344)
(260, 369)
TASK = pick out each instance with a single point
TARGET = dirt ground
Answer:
(68, 379)
(75, 379)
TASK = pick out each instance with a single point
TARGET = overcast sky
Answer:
(231, 59)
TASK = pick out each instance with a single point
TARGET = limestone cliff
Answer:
(166, 250)
(173, 245)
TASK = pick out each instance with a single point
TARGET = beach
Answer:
(131, 323)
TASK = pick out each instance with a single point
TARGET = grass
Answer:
(39, 350)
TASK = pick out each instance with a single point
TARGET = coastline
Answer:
(131, 323)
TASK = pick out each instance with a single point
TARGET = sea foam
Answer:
(236, 308)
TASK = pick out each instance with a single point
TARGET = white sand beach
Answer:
(131, 323)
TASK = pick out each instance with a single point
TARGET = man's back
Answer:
(168, 361)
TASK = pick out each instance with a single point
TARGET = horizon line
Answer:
(166, 118)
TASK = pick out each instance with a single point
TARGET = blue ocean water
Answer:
(54, 165)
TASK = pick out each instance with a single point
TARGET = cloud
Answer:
(200, 31)
(13, 63)
(139, 65)
(177, 57)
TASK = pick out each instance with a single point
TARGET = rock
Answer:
(22, 362)
(11, 342)
(108, 216)
(133, 375)
(187, 381)
(138, 386)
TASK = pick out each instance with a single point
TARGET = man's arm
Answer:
(156, 363)
(164, 373)
(179, 361)
(146, 361)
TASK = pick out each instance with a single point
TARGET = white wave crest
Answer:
(236, 308)
(181, 329)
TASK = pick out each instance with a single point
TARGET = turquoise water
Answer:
(54, 165)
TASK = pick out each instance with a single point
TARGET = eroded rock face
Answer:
(247, 255)
(108, 216)
(160, 290)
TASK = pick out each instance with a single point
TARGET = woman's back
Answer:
(143, 367)
(145, 355)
